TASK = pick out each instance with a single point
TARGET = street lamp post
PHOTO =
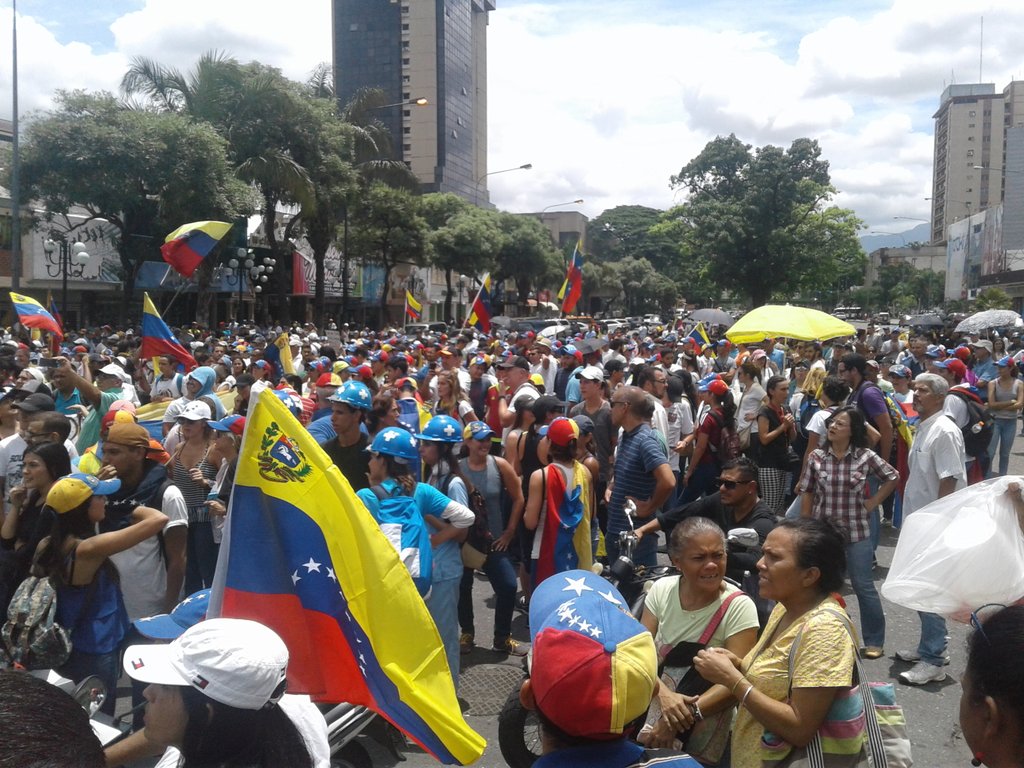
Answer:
(557, 205)
(479, 181)
(71, 255)
(244, 263)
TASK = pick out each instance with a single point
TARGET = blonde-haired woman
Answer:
(451, 400)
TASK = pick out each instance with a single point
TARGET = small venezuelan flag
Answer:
(157, 338)
(413, 309)
(186, 247)
(32, 314)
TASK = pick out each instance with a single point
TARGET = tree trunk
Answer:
(320, 296)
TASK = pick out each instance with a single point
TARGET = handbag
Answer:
(867, 710)
(707, 739)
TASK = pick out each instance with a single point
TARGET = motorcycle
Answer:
(519, 736)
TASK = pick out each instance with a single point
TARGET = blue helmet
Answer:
(442, 429)
(354, 394)
(396, 442)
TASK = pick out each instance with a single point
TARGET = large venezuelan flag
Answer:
(32, 314)
(186, 247)
(157, 338)
(302, 555)
(571, 290)
(480, 313)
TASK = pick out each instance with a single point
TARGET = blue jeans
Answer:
(502, 575)
(443, 604)
(933, 639)
(702, 482)
(872, 619)
(1003, 432)
(874, 484)
(201, 557)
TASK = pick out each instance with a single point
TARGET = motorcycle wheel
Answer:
(518, 733)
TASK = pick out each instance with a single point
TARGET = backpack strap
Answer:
(379, 492)
(716, 619)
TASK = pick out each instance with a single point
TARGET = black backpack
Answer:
(980, 423)
(479, 536)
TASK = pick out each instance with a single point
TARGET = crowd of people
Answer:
(546, 451)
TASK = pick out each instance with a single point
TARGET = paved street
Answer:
(487, 678)
(931, 710)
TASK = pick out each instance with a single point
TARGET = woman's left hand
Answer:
(716, 666)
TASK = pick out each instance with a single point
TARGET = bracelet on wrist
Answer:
(738, 681)
(743, 701)
(695, 709)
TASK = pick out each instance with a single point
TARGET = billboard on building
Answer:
(974, 247)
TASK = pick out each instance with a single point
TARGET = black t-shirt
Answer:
(352, 460)
(761, 518)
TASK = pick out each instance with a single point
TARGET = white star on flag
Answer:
(595, 632)
(311, 566)
(610, 597)
(584, 626)
(296, 578)
(576, 585)
(330, 574)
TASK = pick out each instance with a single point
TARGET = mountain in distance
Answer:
(922, 233)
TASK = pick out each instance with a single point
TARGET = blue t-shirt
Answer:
(572, 387)
(429, 500)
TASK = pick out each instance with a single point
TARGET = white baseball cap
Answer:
(196, 410)
(235, 662)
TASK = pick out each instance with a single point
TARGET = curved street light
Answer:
(420, 102)
(70, 254)
(523, 167)
(556, 205)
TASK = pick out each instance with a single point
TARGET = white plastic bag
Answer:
(960, 552)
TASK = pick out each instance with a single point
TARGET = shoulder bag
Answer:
(864, 727)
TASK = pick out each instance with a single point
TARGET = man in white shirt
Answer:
(937, 468)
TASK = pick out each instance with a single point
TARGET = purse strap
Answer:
(875, 741)
(716, 619)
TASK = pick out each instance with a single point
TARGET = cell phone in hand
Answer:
(48, 362)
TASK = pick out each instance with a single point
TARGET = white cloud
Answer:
(607, 101)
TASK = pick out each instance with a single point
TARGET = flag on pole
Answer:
(32, 314)
(51, 305)
(157, 338)
(699, 336)
(302, 555)
(413, 309)
(480, 311)
(572, 288)
(186, 247)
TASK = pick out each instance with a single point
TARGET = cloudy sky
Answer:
(607, 99)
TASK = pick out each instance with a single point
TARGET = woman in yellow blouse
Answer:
(803, 565)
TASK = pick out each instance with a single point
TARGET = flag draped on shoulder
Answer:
(303, 555)
(572, 288)
(186, 247)
(157, 338)
(32, 314)
(566, 543)
(413, 309)
(278, 353)
(480, 311)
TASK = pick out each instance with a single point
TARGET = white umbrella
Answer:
(988, 320)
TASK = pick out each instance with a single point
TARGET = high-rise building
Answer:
(422, 49)
(970, 146)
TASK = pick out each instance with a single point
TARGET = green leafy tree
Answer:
(644, 288)
(144, 172)
(259, 112)
(992, 298)
(386, 228)
(528, 256)
(462, 238)
(755, 216)
(631, 230)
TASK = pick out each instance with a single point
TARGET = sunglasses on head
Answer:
(730, 484)
(980, 615)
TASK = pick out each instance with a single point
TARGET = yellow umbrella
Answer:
(773, 320)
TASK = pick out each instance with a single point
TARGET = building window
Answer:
(972, 113)
(407, 147)
(405, 62)
(353, 27)
(407, 130)
(455, 134)
(970, 153)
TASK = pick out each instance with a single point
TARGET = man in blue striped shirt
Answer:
(642, 472)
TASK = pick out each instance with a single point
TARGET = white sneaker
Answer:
(922, 673)
(913, 657)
